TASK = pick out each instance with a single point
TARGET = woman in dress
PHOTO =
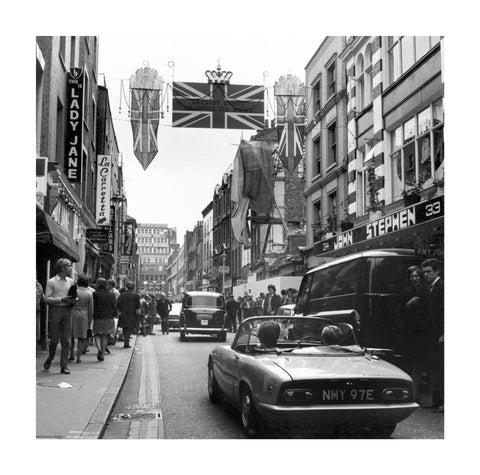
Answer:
(82, 313)
(104, 309)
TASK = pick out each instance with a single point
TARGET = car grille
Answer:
(344, 391)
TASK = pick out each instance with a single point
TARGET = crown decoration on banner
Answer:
(290, 97)
(145, 88)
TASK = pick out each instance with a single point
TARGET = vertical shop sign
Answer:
(104, 170)
(74, 129)
(109, 246)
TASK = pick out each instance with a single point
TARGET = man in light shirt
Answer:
(60, 318)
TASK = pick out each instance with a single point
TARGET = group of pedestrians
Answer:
(421, 328)
(265, 304)
(79, 312)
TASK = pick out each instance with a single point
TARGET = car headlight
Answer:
(396, 394)
(297, 395)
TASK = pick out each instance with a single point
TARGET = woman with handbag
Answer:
(104, 309)
(82, 313)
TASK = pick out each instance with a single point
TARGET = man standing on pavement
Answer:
(259, 304)
(163, 309)
(435, 336)
(231, 309)
(272, 301)
(60, 318)
(128, 304)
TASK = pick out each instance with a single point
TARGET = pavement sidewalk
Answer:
(80, 411)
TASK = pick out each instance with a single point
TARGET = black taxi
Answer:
(203, 313)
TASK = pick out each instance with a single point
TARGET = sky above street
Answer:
(180, 181)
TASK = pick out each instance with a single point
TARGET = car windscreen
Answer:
(198, 301)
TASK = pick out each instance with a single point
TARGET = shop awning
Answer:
(50, 233)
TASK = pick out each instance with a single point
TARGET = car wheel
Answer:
(385, 430)
(182, 335)
(213, 390)
(222, 336)
(250, 418)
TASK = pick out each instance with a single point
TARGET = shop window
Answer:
(412, 146)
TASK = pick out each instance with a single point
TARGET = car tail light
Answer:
(395, 394)
(297, 395)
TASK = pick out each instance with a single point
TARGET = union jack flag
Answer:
(290, 129)
(144, 117)
(218, 106)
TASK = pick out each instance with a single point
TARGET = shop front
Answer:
(52, 243)
(419, 227)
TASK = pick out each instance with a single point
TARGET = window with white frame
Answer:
(360, 87)
(368, 77)
(332, 144)
(316, 96)
(331, 78)
(332, 211)
(63, 49)
(86, 95)
(316, 220)
(316, 156)
(412, 146)
(404, 51)
(73, 43)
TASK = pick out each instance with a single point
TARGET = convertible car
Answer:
(308, 373)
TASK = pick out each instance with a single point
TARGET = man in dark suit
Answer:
(272, 301)
(435, 334)
(164, 308)
(129, 305)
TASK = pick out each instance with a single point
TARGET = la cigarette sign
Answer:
(74, 129)
(104, 170)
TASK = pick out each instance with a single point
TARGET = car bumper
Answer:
(318, 417)
(173, 324)
(203, 330)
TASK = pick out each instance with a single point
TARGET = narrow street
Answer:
(165, 396)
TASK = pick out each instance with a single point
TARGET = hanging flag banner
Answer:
(218, 106)
(145, 88)
(74, 127)
(128, 238)
(252, 185)
(290, 97)
(104, 171)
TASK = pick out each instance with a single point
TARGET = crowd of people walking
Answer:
(265, 304)
(94, 314)
(82, 314)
